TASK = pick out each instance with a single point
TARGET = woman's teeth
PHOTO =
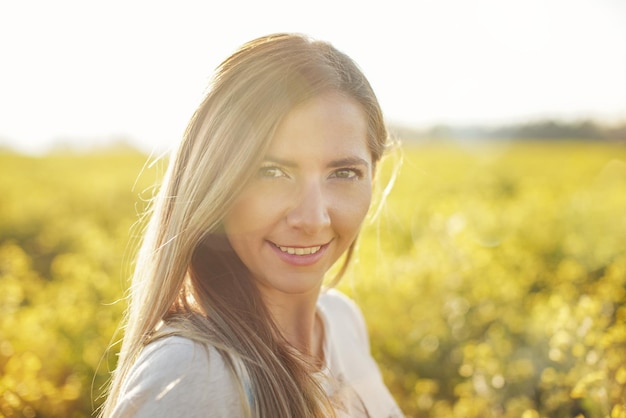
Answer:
(300, 250)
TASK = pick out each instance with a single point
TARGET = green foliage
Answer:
(500, 290)
(65, 227)
(493, 280)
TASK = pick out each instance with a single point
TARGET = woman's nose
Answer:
(309, 211)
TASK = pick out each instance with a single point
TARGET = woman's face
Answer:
(308, 199)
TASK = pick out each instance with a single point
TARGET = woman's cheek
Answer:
(351, 206)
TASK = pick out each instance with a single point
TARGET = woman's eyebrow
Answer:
(279, 161)
(348, 161)
(341, 162)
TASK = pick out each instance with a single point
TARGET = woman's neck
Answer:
(296, 318)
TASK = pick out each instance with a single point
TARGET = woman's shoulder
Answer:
(349, 355)
(177, 376)
(334, 300)
(345, 313)
(175, 355)
(174, 348)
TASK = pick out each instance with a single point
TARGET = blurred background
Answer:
(500, 250)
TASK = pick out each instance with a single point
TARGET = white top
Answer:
(177, 377)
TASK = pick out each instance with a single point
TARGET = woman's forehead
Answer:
(331, 123)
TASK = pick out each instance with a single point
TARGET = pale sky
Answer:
(86, 71)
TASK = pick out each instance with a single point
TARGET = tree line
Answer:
(549, 129)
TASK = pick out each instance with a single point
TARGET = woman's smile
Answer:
(299, 250)
(300, 256)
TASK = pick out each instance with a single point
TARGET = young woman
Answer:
(228, 316)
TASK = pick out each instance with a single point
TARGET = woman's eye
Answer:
(270, 172)
(348, 174)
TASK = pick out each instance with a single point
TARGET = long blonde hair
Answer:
(187, 275)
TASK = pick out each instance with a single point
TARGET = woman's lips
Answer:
(300, 250)
(299, 256)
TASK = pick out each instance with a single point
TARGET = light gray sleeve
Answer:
(177, 377)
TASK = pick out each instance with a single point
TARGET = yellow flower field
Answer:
(493, 279)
